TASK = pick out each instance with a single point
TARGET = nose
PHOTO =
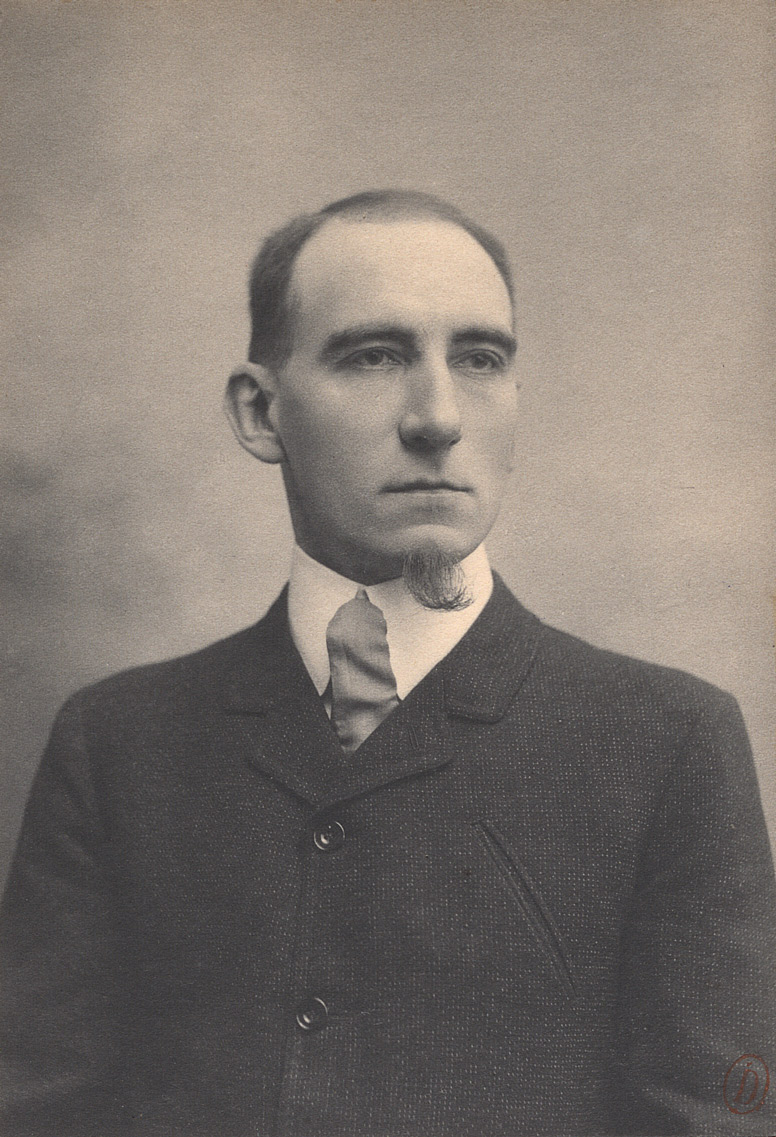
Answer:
(431, 418)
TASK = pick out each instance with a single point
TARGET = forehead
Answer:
(413, 272)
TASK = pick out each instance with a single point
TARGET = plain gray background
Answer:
(623, 151)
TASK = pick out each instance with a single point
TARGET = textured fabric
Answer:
(418, 637)
(548, 908)
(363, 686)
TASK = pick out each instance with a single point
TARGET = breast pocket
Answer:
(527, 896)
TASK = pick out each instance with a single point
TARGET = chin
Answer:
(439, 538)
(383, 558)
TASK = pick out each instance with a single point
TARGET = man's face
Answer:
(396, 408)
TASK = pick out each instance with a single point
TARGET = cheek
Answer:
(327, 454)
(496, 438)
(334, 420)
(508, 440)
(304, 432)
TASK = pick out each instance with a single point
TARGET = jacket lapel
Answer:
(483, 673)
(282, 724)
(286, 733)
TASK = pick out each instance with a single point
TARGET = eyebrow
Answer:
(350, 339)
(482, 334)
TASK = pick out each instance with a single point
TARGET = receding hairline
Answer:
(394, 218)
(272, 307)
(397, 205)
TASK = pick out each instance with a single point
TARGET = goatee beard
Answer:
(436, 580)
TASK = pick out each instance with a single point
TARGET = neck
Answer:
(357, 567)
(474, 568)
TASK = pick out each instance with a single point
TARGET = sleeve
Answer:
(698, 982)
(60, 985)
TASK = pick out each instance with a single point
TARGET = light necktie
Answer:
(363, 686)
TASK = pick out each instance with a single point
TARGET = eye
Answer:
(372, 359)
(482, 362)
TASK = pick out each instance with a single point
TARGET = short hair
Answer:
(270, 278)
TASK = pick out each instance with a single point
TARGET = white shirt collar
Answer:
(418, 637)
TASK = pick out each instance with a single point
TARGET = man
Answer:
(398, 861)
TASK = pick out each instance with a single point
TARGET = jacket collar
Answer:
(287, 733)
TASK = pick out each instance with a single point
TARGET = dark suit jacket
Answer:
(552, 911)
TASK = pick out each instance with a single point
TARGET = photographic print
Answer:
(388, 743)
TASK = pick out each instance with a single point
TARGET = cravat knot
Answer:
(363, 686)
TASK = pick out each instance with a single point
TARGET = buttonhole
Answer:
(414, 740)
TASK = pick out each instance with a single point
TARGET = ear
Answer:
(248, 403)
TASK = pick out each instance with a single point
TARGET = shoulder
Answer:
(641, 729)
(582, 671)
(191, 681)
(641, 725)
(602, 674)
(600, 692)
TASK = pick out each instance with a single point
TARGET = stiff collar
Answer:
(418, 638)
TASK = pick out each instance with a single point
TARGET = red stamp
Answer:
(746, 1084)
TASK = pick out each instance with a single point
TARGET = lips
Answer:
(425, 485)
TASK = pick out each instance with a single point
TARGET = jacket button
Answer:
(312, 1014)
(329, 837)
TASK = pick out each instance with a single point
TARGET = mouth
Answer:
(426, 485)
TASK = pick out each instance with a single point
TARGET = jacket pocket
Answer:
(533, 907)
